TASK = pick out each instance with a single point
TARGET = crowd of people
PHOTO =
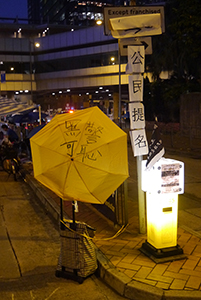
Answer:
(16, 137)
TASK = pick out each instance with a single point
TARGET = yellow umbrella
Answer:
(81, 156)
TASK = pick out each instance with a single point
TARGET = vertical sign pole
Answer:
(141, 198)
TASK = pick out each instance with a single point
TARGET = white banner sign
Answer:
(137, 118)
(136, 59)
(136, 82)
(139, 142)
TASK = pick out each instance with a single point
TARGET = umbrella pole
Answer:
(73, 225)
(62, 227)
(73, 211)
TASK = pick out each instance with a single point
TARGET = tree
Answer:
(178, 51)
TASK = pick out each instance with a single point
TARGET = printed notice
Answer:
(170, 178)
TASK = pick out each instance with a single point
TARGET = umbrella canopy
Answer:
(35, 130)
(81, 156)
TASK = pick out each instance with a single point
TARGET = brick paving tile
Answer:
(104, 249)
(107, 242)
(114, 253)
(145, 259)
(197, 250)
(160, 278)
(134, 251)
(190, 263)
(109, 256)
(159, 269)
(188, 249)
(115, 260)
(143, 272)
(133, 244)
(176, 265)
(192, 243)
(190, 272)
(193, 282)
(194, 239)
(100, 241)
(176, 275)
(145, 263)
(198, 269)
(128, 266)
(129, 258)
(162, 285)
(130, 273)
(194, 257)
(178, 284)
(117, 247)
(121, 242)
(180, 230)
(150, 282)
(184, 238)
(199, 263)
(128, 236)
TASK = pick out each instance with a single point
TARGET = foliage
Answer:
(177, 50)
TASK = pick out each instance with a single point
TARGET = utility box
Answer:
(162, 211)
(162, 184)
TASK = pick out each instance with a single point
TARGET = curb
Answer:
(114, 278)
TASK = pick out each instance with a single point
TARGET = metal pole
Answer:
(39, 114)
(119, 59)
(31, 70)
(141, 198)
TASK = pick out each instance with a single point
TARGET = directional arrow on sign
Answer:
(136, 26)
(141, 41)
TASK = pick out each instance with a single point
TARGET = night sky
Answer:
(13, 8)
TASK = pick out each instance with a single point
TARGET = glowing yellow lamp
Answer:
(162, 213)
(162, 184)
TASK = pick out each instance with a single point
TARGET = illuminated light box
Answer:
(162, 211)
(166, 176)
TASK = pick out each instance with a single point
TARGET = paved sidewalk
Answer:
(121, 264)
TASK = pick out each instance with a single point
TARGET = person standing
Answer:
(10, 133)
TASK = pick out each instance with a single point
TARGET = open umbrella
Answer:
(35, 130)
(81, 156)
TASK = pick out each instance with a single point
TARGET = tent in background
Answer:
(11, 106)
